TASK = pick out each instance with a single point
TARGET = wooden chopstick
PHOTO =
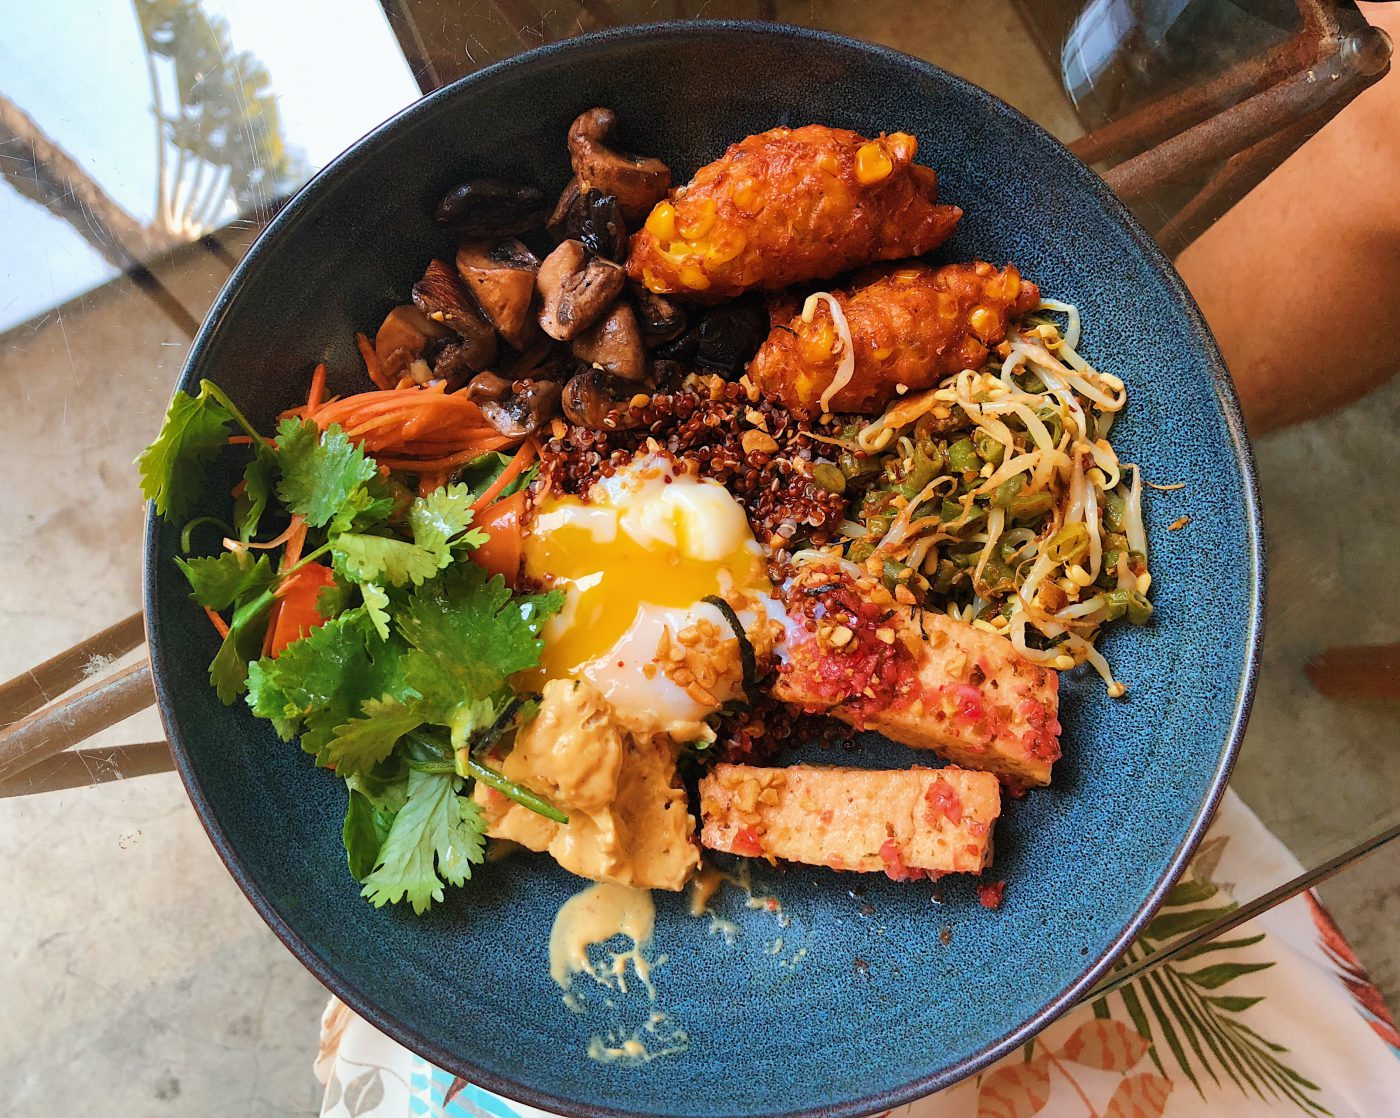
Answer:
(28, 692)
(73, 719)
(79, 768)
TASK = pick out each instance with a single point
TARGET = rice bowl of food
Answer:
(715, 567)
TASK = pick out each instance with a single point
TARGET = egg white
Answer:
(634, 560)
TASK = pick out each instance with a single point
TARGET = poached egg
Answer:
(635, 560)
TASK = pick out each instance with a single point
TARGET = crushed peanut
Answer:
(758, 442)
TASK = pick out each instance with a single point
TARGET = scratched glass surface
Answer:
(143, 146)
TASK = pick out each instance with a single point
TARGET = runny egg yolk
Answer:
(636, 559)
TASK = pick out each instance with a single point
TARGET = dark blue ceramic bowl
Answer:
(863, 1005)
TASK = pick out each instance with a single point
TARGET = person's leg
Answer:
(1300, 281)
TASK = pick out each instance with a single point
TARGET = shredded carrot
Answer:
(372, 366)
(220, 626)
(405, 382)
(406, 397)
(428, 483)
(405, 403)
(278, 542)
(419, 429)
(318, 390)
(430, 465)
(291, 555)
(360, 430)
(296, 540)
(271, 628)
(523, 457)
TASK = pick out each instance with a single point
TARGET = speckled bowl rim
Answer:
(303, 204)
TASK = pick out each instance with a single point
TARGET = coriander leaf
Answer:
(250, 505)
(229, 671)
(468, 845)
(386, 787)
(467, 635)
(324, 678)
(442, 515)
(429, 752)
(363, 558)
(366, 828)
(320, 470)
(221, 580)
(358, 745)
(333, 600)
(435, 825)
(468, 541)
(172, 468)
(376, 608)
(438, 522)
(366, 507)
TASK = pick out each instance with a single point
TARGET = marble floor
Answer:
(137, 980)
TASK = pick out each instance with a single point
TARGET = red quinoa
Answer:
(705, 425)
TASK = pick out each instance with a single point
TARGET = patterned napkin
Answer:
(1276, 1018)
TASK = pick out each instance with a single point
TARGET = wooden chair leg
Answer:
(1357, 672)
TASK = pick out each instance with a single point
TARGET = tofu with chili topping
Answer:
(908, 823)
(917, 677)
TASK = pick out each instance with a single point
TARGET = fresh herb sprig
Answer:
(407, 676)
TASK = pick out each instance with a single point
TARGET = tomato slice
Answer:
(297, 614)
(500, 554)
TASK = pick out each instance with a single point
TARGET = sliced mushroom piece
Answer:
(683, 347)
(404, 337)
(667, 375)
(441, 296)
(487, 386)
(558, 220)
(594, 399)
(545, 359)
(575, 290)
(596, 220)
(501, 276)
(659, 318)
(614, 344)
(636, 182)
(490, 208)
(731, 334)
(515, 408)
(453, 364)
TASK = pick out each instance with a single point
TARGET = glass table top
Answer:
(143, 147)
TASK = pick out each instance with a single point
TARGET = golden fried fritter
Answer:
(789, 205)
(910, 325)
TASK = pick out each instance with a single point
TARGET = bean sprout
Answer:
(1038, 530)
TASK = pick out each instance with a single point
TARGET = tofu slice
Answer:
(935, 684)
(908, 823)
